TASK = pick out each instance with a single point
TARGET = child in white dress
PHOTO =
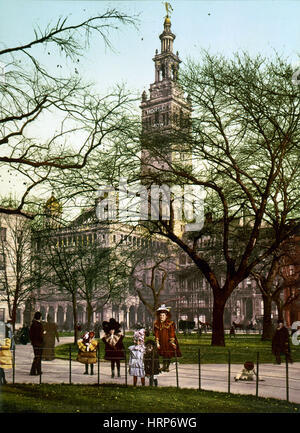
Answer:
(136, 358)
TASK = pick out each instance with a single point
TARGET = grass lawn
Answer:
(63, 398)
(242, 347)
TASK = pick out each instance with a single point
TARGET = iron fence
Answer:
(269, 380)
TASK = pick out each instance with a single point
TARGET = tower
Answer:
(53, 212)
(166, 110)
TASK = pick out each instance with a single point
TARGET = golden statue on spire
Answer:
(169, 8)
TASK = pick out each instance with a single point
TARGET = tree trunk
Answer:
(218, 323)
(279, 306)
(267, 320)
(14, 315)
(89, 310)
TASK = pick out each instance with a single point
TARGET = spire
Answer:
(167, 37)
(166, 62)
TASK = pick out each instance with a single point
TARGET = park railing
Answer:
(194, 370)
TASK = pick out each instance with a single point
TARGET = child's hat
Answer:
(139, 335)
(163, 308)
(249, 365)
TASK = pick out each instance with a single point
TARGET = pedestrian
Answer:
(165, 336)
(5, 353)
(281, 343)
(10, 333)
(151, 362)
(136, 358)
(36, 333)
(24, 334)
(247, 372)
(114, 348)
(87, 353)
(50, 333)
(232, 331)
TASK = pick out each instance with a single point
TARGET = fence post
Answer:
(41, 366)
(287, 378)
(98, 378)
(14, 361)
(229, 372)
(257, 373)
(70, 361)
(176, 365)
(199, 368)
(125, 367)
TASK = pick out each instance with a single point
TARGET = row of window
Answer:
(164, 120)
(86, 239)
(140, 242)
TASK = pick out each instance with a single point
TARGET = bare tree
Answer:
(245, 145)
(15, 254)
(277, 283)
(33, 95)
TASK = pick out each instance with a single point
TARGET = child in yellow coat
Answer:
(5, 358)
(87, 353)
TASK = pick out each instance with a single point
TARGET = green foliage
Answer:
(242, 348)
(64, 398)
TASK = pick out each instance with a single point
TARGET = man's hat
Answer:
(163, 308)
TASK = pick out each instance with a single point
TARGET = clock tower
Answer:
(166, 109)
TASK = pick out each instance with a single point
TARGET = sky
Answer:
(220, 26)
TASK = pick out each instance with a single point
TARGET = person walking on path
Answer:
(36, 333)
(87, 353)
(165, 336)
(50, 332)
(24, 334)
(136, 358)
(281, 343)
(5, 353)
(114, 348)
(232, 331)
(151, 362)
(10, 334)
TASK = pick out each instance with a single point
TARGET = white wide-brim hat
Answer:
(163, 308)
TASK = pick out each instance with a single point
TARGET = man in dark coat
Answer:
(280, 343)
(36, 333)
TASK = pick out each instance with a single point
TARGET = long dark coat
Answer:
(36, 333)
(280, 341)
(164, 333)
(151, 359)
(114, 352)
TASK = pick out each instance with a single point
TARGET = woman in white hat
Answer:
(165, 336)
